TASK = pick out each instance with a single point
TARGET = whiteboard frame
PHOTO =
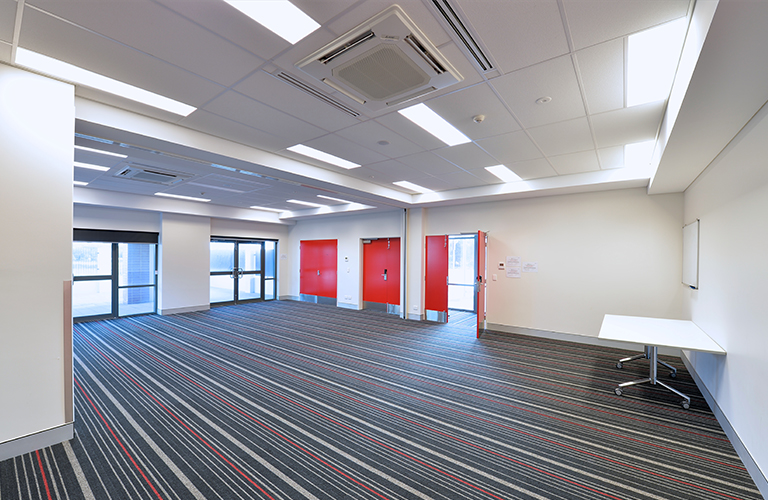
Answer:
(691, 238)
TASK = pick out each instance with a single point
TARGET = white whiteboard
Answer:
(691, 254)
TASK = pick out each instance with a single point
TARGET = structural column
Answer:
(37, 121)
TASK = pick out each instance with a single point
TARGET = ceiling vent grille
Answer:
(461, 30)
(154, 175)
(381, 62)
(295, 82)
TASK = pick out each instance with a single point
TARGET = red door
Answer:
(381, 271)
(317, 272)
(481, 280)
(436, 279)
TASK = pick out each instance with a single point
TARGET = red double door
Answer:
(318, 268)
(436, 278)
(381, 271)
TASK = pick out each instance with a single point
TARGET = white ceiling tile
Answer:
(555, 78)
(47, 35)
(533, 169)
(275, 93)
(255, 114)
(393, 170)
(467, 156)
(595, 21)
(518, 34)
(628, 125)
(511, 148)
(612, 157)
(405, 127)
(602, 73)
(162, 33)
(414, 9)
(564, 137)
(225, 128)
(429, 163)
(5, 52)
(346, 149)
(459, 108)
(462, 179)
(575, 163)
(370, 133)
(324, 11)
(7, 20)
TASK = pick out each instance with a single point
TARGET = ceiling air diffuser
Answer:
(384, 62)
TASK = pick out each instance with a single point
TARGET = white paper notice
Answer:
(513, 272)
(513, 261)
(530, 267)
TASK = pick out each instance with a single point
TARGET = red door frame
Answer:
(481, 281)
(436, 276)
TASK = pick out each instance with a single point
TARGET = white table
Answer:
(655, 333)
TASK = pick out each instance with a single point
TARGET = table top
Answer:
(675, 333)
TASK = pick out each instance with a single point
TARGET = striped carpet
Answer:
(288, 400)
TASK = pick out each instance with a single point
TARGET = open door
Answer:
(436, 279)
(481, 280)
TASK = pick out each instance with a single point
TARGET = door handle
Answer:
(318, 272)
(385, 275)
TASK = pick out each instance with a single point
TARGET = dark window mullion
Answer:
(115, 276)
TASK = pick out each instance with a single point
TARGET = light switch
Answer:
(494, 277)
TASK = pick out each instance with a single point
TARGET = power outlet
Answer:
(415, 308)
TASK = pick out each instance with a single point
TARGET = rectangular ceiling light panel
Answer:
(504, 173)
(652, 58)
(424, 117)
(412, 186)
(323, 156)
(280, 17)
(79, 76)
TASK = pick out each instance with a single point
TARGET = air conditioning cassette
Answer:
(381, 61)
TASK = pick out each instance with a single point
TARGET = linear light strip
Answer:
(80, 76)
(180, 197)
(306, 203)
(504, 173)
(100, 151)
(424, 117)
(90, 166)
(322, 156)
(412, 187)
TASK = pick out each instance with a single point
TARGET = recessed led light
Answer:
(433, 123)
(322, 156)
(80, 76)
(180, 197)
(306, 203)
(503, 173)
(79, 183)
(267, 209)
(280, 17)
(412, 186)
(90, 166)
(333, 199)
(100, 151)
(652, 57)
(543, 100)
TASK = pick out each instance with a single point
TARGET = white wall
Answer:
(36, 141)
(731, 305)
(349, 231)
(184, 264)
(615, 252)
(116, 219)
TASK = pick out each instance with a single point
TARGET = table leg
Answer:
(652, 353)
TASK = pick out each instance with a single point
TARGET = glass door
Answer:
(242, 271)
